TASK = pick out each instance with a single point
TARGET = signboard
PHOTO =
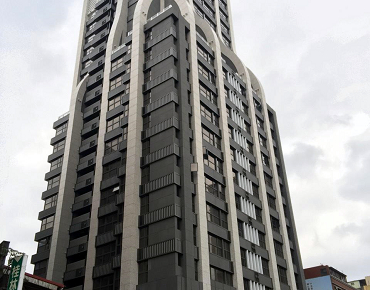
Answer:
(16, 274)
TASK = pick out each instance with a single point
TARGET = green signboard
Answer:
(16, 274)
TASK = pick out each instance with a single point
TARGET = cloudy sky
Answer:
(313, 58)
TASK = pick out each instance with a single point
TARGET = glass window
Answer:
(62, 128)
(114, 123)
(214, 188)
(51, 201)
(53, 182)
(206, 73)
(219, 246)
(47, 223)
(207, 93)
(216, 216)
(56, 163)
(213, 163)
(113, 145)
(209, 115)
(59, 146)
(117, 63)
(221, 276)
(211, 138)
(116, 82)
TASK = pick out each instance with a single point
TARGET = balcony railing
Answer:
(159, 13)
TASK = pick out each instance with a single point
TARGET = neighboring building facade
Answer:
(167, 173)
(363, 284)
(324, 277)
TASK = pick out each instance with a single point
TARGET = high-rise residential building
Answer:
(167, 172)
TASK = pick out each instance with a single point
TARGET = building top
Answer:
(324, 270)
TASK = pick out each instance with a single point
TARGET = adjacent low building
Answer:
(362, 284)
(324, 277)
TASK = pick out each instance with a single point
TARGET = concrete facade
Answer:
(167, 173)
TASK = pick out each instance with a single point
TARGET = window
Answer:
(56, 163)
(250, 147)
(114, 102)
(116, 82)
(206, 73)
(205, 55)
(213, 163)
(144, 205)
(53, 182)
(265, 267)
(247, 127)
(268, 180)
(144, 235)
(40, 268)
(146, 147)
(257, 105)
(216, 216)
(238, 201)
(252, 168)
(47, 223)
(282, 275)
(59, 146)
(278, 249)
(113, 145)
(107, 223)
(209, 115)
(259, 123)
(211, 138)
(271, 201)
(243, 255)
(127, 88)
(110, 170)
(219, 246)
(51, 201)
(124, 133)
(147, 98)
(128, 68)
(62, 128)
(148, 35)
(114, 123)
(255, 190)
(275, 224)
(44, 244)
(104, 282)
(245, 109)
(259, 214)
(221, 276)
(214, 188)
(261, 238)
(107, 197)
(232, 153)
(105, 254)
(117, 63)
(228, 112)
(143, 272)
(230, 131)
(265, 160)
(262, 140)
(207, 93)
(148, 55)
(240, 229)
(147, 76)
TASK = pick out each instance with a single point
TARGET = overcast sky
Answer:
(313, 59)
